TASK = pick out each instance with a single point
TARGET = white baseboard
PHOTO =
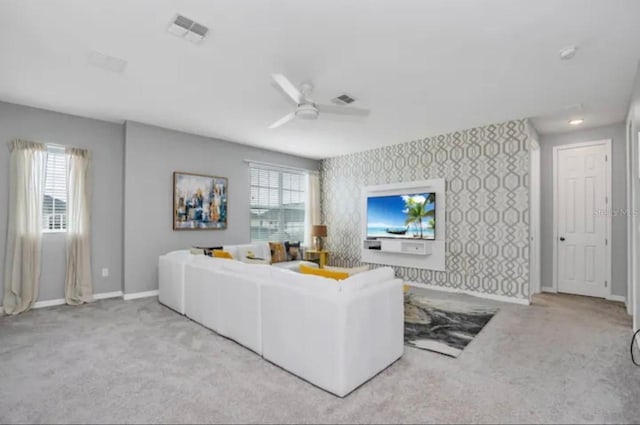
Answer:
(617, 298)
(105, 295)
(136, 295)
(501, 298)
(62, 301)
(42, 304)
(49, 303)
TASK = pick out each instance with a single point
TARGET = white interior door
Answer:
(582, 216)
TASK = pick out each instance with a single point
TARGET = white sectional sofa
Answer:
(172, 269)
(334, 334)
(171, 278)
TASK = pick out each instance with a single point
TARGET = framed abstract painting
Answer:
(199, 202)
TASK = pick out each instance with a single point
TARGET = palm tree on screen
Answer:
(416, 210)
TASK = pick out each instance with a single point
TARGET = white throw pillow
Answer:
(367, 279)
(257, 250)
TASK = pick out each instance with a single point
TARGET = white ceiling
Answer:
(423, 67)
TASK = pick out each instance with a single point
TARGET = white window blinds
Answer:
(55, 191)
(277, 203)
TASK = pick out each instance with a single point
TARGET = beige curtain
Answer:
(28, 161)
(313, 205)
(79, 282)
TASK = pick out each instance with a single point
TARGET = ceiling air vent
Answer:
(106, 62)
(188, 29)
(343, 99)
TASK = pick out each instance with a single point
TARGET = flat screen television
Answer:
(409, 215)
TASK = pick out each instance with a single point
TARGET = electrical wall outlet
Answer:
(105, 272)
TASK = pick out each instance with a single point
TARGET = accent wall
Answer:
(487, 189)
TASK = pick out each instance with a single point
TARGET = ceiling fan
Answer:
(306, 107)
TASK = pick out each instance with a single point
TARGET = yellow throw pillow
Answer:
(218, 253)
(323, 272)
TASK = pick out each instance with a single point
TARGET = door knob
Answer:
(561, 238)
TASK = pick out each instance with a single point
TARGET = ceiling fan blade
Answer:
(343, 110)
(283, 120)
(288, 87)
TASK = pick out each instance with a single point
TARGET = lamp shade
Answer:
(319, 230)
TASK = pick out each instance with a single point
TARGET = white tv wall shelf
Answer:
(409, 252)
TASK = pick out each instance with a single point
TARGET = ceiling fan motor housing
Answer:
(307, 112)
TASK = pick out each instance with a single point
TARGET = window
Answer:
(54, 206)
(278, 198)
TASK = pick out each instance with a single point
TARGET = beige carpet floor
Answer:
(564, 359)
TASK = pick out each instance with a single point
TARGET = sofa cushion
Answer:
(208, 261)
(182, 253)
(247, 269)
(349, 270)
(366, 279)
(294, 265)
(278, 253)
(323, 272)
(306, 282)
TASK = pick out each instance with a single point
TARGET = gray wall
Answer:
(106, 141)
(487, 202)
(152, 154)
(617, 135)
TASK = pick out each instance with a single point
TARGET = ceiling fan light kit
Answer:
(306, 107)
(307, 112)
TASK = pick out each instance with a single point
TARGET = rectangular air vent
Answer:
(184, 27)
(106, 62)
(343, 99)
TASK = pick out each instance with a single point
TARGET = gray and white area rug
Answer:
(443, 326)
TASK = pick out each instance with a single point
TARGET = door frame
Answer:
(535, 188)
(631, 218)
(608, 221)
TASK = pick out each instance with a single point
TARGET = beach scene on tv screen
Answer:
(402, 216)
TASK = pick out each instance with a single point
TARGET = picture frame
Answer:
(199, 201)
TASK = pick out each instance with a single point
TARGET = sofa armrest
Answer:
(337, 340)
(374, 330)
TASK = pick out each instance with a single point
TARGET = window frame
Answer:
(282, 208)
(57, 150)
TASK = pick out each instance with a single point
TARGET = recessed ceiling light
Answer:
(576, 121)
(568, 52)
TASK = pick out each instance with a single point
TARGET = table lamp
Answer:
(318, 231)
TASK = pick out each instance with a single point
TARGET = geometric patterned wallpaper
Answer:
(486, 170)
